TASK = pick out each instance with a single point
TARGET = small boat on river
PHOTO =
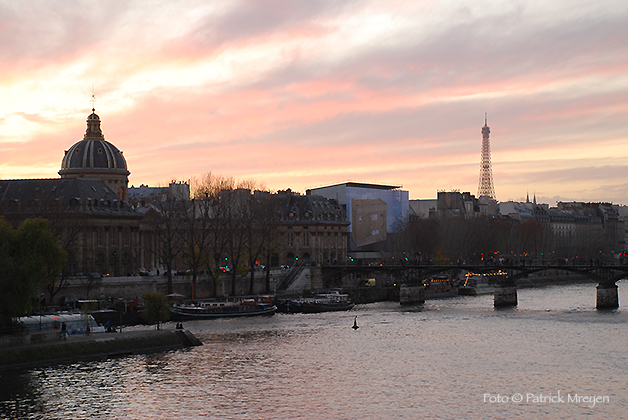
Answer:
(327, 302)
(439, 287)
(483, 283)
(210, 310)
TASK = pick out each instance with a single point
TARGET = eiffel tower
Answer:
(486, 191)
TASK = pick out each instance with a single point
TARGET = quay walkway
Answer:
(80, 347)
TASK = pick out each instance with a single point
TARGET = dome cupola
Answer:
(95, 157)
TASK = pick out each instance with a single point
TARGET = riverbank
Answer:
(270, 368)
(88, 347)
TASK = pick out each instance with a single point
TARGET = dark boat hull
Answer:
(439, 287)
(298, 307)
(189, 314)
(115, 318)
(466, 291)
(323, 307)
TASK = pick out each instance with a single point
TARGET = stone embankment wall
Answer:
(101, 345)
(373, 294)
(129, 288)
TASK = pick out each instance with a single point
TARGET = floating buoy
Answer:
(355, 323)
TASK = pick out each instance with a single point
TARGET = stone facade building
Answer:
(312, 229)
(574, 225)
(457, 204)
(108, 229)
(87, 208)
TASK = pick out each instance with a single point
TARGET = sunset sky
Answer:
(305, 93)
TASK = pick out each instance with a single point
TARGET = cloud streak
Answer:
(299, 94)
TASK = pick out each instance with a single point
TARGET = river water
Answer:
(552, 357)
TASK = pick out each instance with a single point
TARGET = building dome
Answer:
(95, 157)
(93, 154)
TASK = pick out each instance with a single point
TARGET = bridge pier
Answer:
(607, 297)
(411, 294)
(505, 296)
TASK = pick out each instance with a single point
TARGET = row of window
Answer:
(113, 236)
(319, 240)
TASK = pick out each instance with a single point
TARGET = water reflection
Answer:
(431, 361)
(20, 396)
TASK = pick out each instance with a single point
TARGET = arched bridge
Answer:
(412, 276)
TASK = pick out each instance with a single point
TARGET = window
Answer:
(306, 239)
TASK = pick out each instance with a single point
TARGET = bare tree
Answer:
(262, 214)
(235, 203)
(209, 188)
(167, 218)
(268, 217)
(230, 203)
(194, 237)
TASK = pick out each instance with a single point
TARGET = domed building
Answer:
(95, 157)
(88, 209)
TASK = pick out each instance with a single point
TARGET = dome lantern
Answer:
(93, 126)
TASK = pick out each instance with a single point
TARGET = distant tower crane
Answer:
(486, 191)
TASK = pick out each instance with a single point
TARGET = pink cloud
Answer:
(406, 112)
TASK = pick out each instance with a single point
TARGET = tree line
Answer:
(486, 239)
(30, 257)
(227, 227)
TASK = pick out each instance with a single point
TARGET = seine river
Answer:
(552, 357)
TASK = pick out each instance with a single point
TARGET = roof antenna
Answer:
(485, 118)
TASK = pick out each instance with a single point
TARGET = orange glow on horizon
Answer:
(300, 95)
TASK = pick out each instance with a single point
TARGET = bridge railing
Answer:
(506, 262)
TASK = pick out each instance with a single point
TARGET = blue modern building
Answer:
(371, 209)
